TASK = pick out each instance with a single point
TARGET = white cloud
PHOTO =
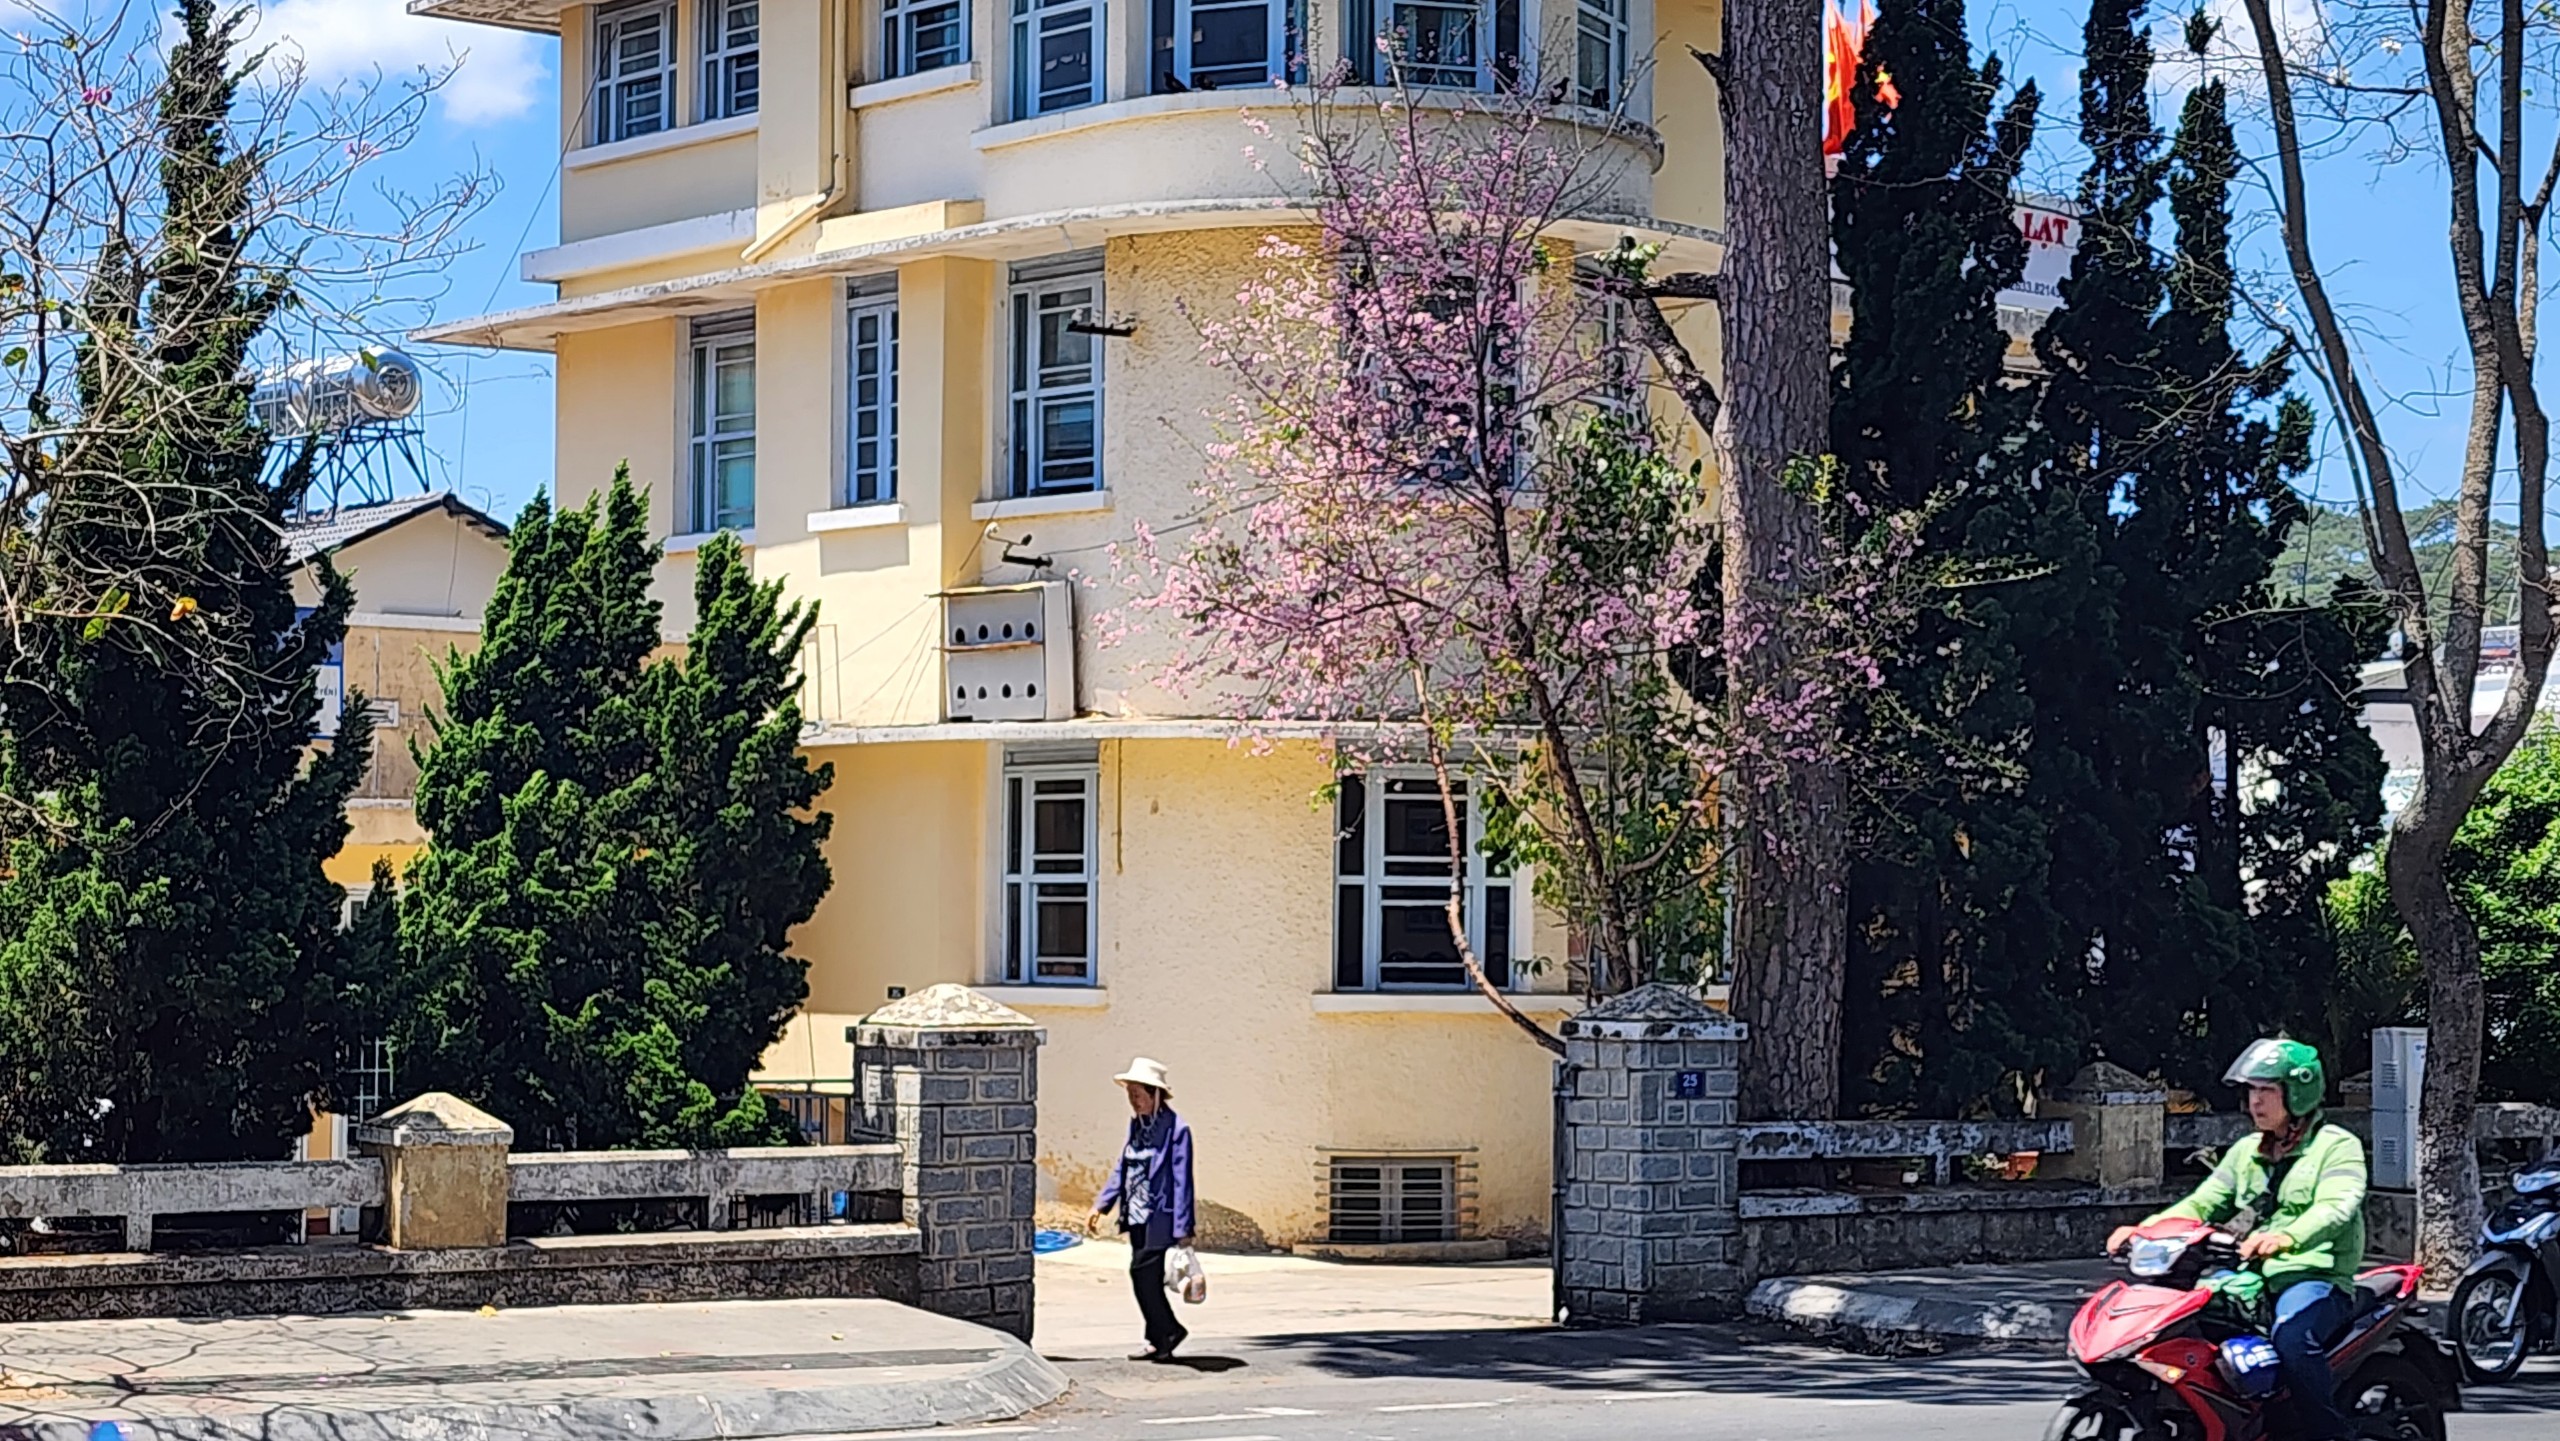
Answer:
(498, 74)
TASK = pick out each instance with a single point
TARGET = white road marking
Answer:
(939, 1433)
(1257, 1414)
(1442, 1406)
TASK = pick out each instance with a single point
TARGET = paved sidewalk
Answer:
(1086, 1312)
(679, 1372)
(2017, 1305)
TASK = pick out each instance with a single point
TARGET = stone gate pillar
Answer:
(2119, 1129)
(1651, 1221)
(954, 1079)
(444, 1172)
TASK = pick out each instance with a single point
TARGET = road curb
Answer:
(1839, 1309)
(1012, 1380)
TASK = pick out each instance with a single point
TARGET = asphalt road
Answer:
(1292, 1350)
(1691, 1383)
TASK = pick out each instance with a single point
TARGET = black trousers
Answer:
(1146, 1277)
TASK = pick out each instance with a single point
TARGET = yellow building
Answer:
(895, 288)
(423, 567)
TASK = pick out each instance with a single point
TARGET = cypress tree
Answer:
(173, 984)
(736, 861)
(520, 925)
(1950, 934)
(593, 944)
(2127, 767)
(2266, 783)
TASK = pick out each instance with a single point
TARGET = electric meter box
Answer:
(2399, 1075)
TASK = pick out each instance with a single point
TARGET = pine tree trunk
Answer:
(2449, 947)
(1787, 853)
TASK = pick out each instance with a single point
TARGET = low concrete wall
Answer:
(138, 1193)
(804, 1263)
(721, 1178)
(1796, 1233)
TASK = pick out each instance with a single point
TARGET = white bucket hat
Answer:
(1147, 1073)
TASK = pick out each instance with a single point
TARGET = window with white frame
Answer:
(1057, 55)
(1442, 43)
(1049, 870)
(724, 424)
(1600, 53)
(635, 70)
(921, 35)
(1446, 44)
(1619, 384)
(1055, 372)
(730, 79)
(871, 391)
(370, 1079)
(1392, 884)
(1225, 44)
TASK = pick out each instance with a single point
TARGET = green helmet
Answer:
(2289, 1064)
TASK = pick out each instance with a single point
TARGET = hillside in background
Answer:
(2328, 545)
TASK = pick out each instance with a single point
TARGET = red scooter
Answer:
(2165, 1363)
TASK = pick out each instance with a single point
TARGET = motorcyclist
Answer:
(2303, 1181)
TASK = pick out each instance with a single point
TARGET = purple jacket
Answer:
(1170, 1210)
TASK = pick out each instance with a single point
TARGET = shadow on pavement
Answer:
(2535, 1393)
(1709, 1359)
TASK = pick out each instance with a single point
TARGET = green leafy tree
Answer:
(173, 984)
(593, 943)
(2505, 864)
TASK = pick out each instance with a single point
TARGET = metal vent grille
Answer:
(1389, 1201)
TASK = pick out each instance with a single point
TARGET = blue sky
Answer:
(2379, 228)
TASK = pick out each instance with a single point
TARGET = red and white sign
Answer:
(2053, 238)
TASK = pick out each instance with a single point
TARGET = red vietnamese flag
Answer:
(1842, 40)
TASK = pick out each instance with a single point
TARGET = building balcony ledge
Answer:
(539, 327)
(539, 16)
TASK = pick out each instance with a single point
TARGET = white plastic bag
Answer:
(1184, 1277)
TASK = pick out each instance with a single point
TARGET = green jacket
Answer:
(2321, 1206)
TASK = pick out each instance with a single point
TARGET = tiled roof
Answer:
(325, 531)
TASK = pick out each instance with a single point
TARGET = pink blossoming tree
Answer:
(1439, 515)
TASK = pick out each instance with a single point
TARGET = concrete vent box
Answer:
(1009, 653)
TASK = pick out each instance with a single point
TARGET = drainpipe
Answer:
(810, 210)
(838, 116)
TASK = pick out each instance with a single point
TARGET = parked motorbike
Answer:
(2167, 1361)
(2508, 1304)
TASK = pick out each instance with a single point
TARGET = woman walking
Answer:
(1151, 1191)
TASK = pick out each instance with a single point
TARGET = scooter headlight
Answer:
(2149, 1258)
